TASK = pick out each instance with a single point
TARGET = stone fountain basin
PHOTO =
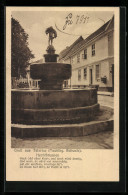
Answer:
(53, 99)
(50, 70)
(53, 106)
(102, 121)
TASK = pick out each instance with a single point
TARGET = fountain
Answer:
(51, 110)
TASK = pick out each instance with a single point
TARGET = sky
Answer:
(80, 24)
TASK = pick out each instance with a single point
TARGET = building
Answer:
(27, 82)
(92, 59)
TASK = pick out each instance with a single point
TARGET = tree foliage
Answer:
(20, 52)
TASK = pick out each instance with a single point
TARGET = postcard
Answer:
(62, 93)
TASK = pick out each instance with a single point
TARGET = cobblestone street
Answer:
(102, 140)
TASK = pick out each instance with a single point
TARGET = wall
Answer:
(105, 67)
(104, 51)
(111, 44)
(101, 52)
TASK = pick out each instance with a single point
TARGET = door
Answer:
(91, 77)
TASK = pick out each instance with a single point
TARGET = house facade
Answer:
(92, 59)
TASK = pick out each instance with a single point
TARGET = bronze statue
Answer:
(52, 34)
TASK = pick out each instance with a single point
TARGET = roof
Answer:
(35, 62)
(67, 53)
(64, 52)
(38, 61)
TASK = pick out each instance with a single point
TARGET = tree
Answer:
(20, 52)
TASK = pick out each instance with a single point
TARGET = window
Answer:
(79, 74)
(72, 60)
(66, 83)
(97, 71)
(84, 55)
(78, 57)
(85, 73)
(93, 49)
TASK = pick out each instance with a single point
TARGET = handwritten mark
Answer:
(68, 21)
(70, 33)
(80, 19)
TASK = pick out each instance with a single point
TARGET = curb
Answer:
(69, 130)
(105, 94)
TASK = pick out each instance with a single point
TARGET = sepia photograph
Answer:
(62, 94)
(62, 79)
